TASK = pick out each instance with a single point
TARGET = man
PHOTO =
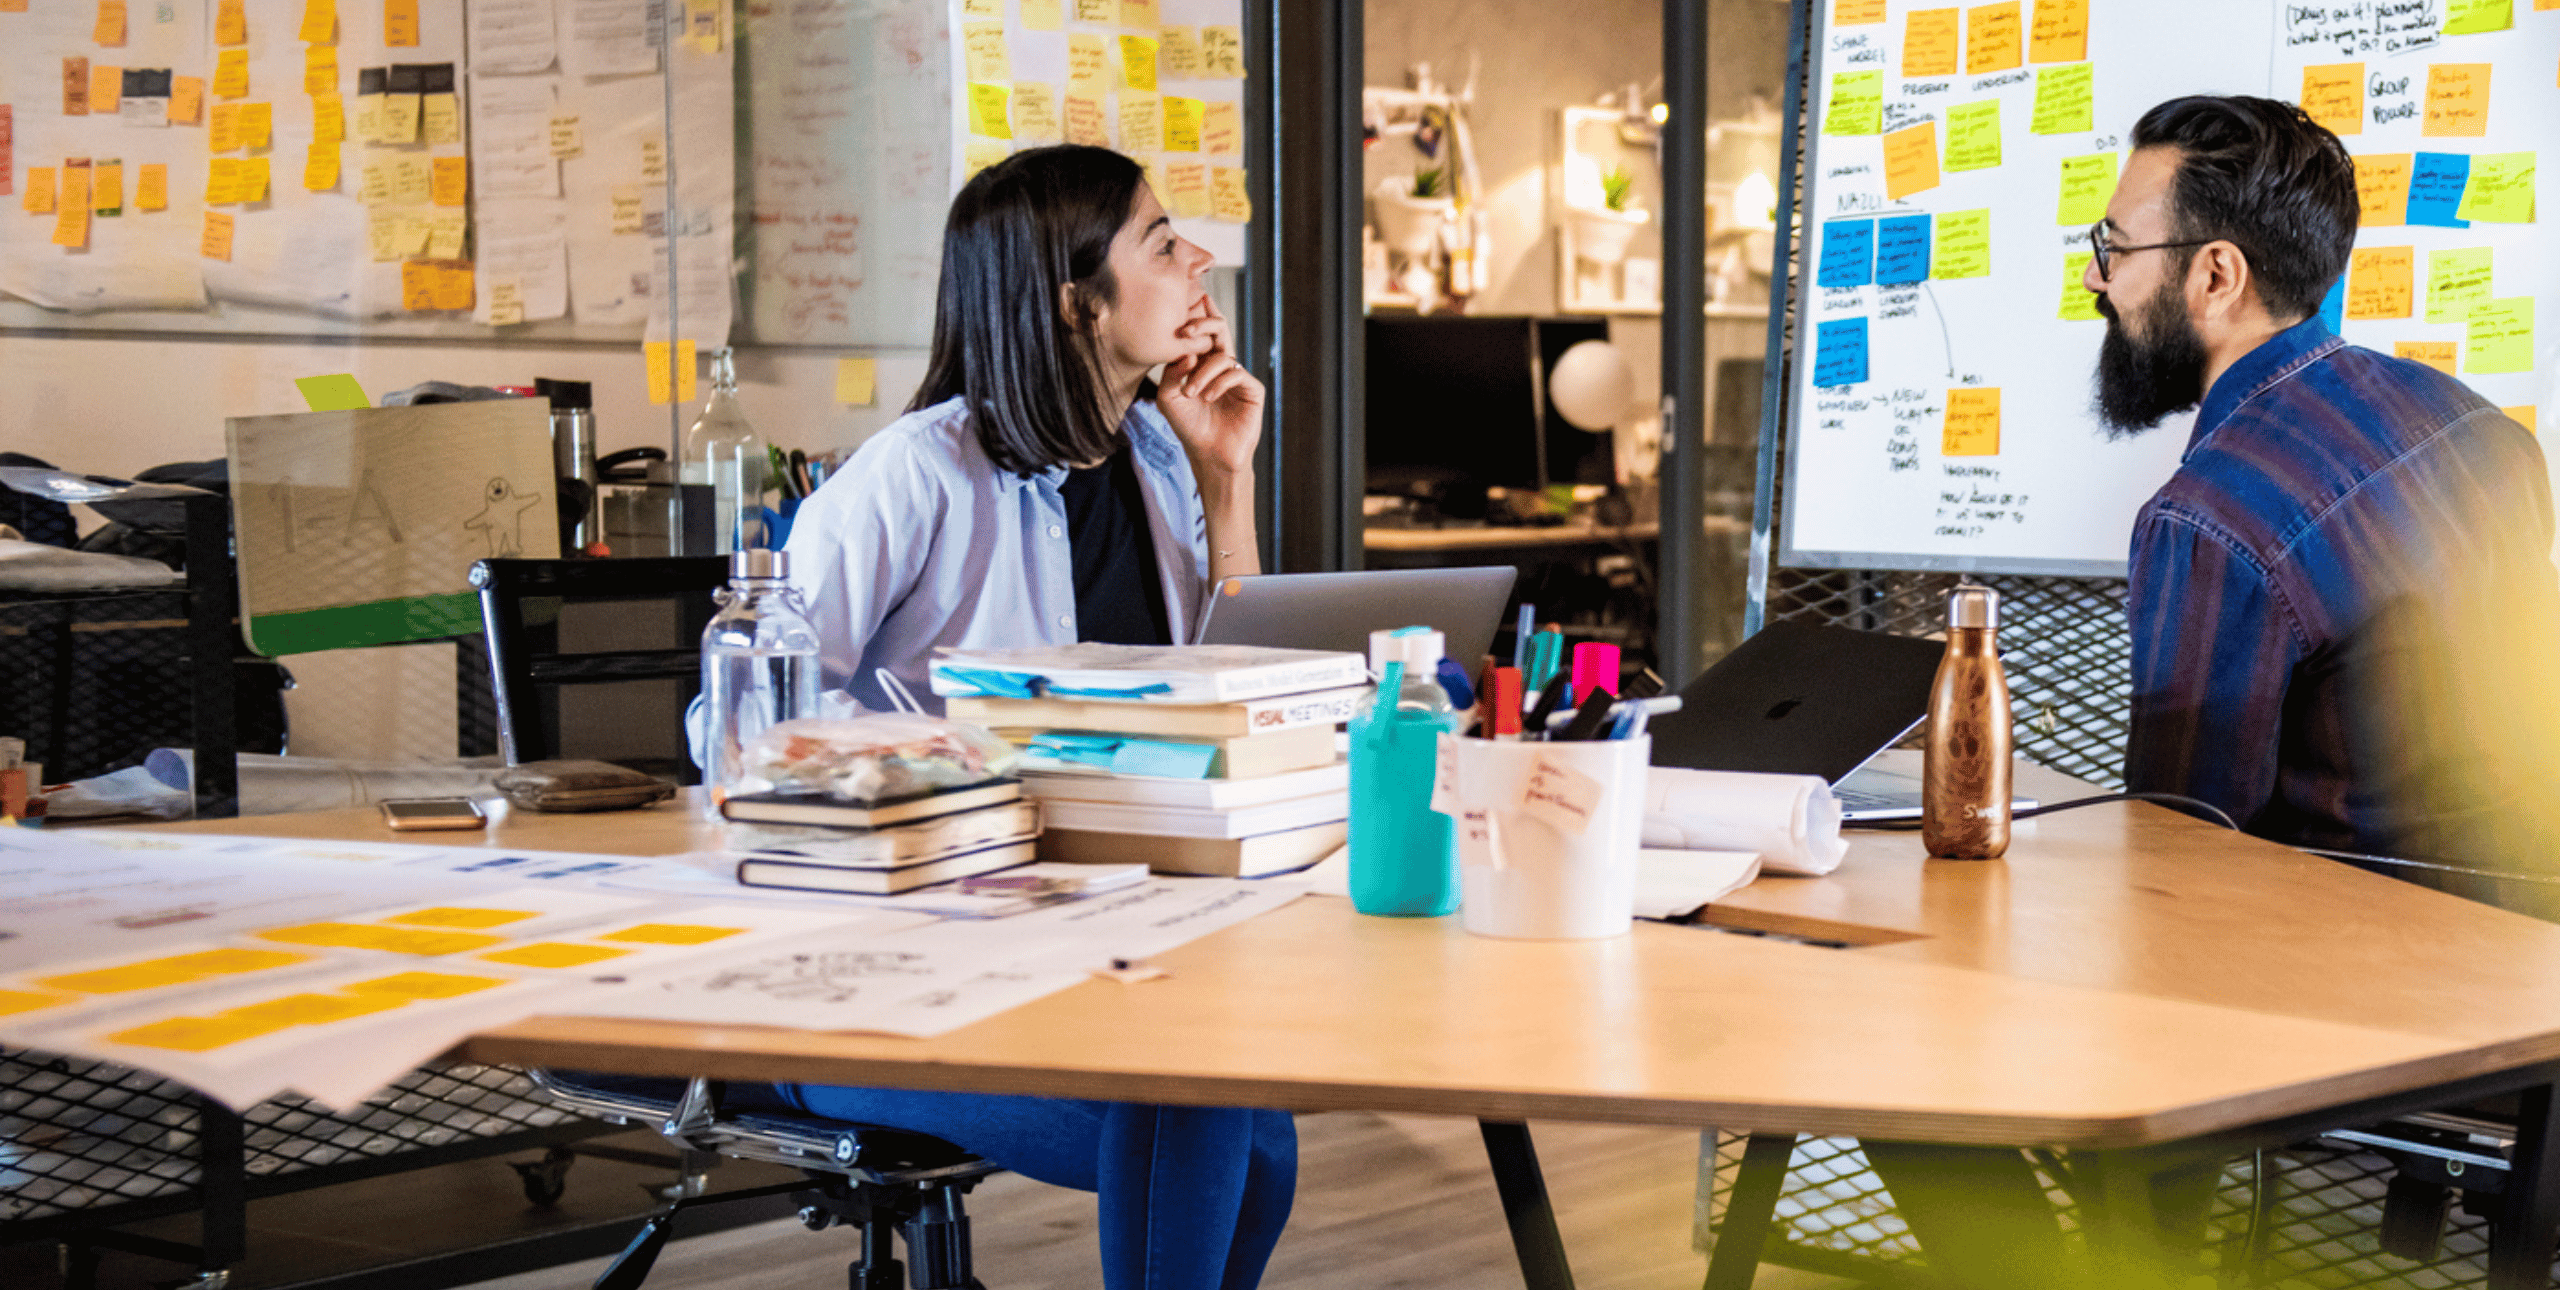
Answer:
(2336, 602)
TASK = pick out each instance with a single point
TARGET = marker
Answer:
(1660, 705)
(1506, 703)
(1549, 699)
(1588, 718)
(1520, 637)
(1595, 667)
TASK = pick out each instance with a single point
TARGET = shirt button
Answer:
(1066, 620)
(1055, 531)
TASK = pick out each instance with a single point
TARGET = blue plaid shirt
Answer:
(2308, 600)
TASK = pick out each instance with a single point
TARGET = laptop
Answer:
(1801, 699)
(1337, 611)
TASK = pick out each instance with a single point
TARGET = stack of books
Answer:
(815, 843)
(1205, 759)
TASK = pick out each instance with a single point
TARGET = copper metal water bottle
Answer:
(1964, 778)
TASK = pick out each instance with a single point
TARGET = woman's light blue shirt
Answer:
(920, 542)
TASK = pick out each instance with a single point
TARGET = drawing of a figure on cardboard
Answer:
(501, 518)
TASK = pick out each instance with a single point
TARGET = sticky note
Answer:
(1991, 38)
(666, 385)
(373, 184)
(2500, 337)
(1848, 253)
(1973, 135)
(122, 979)
(186, 99)
(2472, 17)
(231, 74)
(1221, 128)
(1186, 190)
(75, 86)
(1140, 13)
(109, 29)
(2382, 190)
(982, 51)
(337, 393)
(400, 22)
(2381, 282)
(425, 985)
(1902, 250)
(1141, 123)
(1856, 13)
(2437, 181)
(1963, 245)
(319, 69)
(1972, 427)
(1856, 105)
(1840, 352)
(2079, 303)
(13, 1002)
(2456, 281)
(2500, 189)
(1085, 121)
(1182, 130)
(553, 954)
(320, 167)
(1230, 201)
(106, 89)
(1222, 52)
(2066, 100)
(106, 188)
(1178, 54)
(2061, 32)
(987, 111)
(222, 128)
(38, 199)
(465, 917)
(217, 235)
(412, 184)
(1042, 15)
(2523, 415)
(319, 24)
(2437, 354)
(231, 22)
(450, 181)
(982, 8)
(1911, 160)
(2457, 101)
(1088, 63)
(257, 125)
(314, 1009)
(445, 230)
(1932, 41)
(2087, 183)
(2333, 95)
(1107, 11)
(328, 118)
(195, 1034)
(1138, 63)
(857, 381)
(671, 934)
(71, 213)
(977, 155)
(367, 936)
(151, 188)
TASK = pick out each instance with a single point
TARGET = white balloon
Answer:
(1592, 385)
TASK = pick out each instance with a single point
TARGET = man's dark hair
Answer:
(1020, 230)
(2265, 177)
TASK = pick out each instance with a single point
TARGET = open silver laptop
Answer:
(1337, 611)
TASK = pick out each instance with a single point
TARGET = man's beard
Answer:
(2140, 382)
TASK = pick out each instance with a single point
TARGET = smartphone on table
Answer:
(414, 813)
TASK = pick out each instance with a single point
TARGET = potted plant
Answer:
(1601, 234)
(1411, 210)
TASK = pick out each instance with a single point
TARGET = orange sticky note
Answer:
(1911, 160)
(151, 188)
(417, 285)
(186, 99)
(249, 182)
(451, 180)
(38, 199)
(257, 125)
(2061, 33)
(1085, 121)
(1853, 13)
(1991, 38)
(2457, 101)
(222, 129)
(2333, 95)
(400, 22)
(452, 284)
(1230, 200)
(231, 74)
(110, 28)
(328, 118)
(319, 22)
(1187, 191)
(221, 177)
(1931, 42)
(1972, 427)
(71, 213)
(2437, 354)
(106, 90)
(2525, 415)
(1221, 128)
(667, 384)
(319, 69)
(2382, 282)
(2382, 189)
(320, 167)
(231, 22)
(106, 188)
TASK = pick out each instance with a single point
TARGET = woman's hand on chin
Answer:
(1212, 402)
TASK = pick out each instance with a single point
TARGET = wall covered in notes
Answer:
(1941, 409)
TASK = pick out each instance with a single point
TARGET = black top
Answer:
(1119, 600)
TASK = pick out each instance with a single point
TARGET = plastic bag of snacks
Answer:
(876, 758)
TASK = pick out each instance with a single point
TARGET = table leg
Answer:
(1525, 1206)
(2520, 1245)
(1749, 1211)
(2124, 1232)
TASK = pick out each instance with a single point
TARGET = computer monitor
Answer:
(1459, 404)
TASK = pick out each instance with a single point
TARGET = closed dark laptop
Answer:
(1798, 699)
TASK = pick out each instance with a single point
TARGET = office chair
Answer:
(553, 624)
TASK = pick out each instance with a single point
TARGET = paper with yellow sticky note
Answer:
(2457, 101)
(2456, 281)
(2474, 17)
(320, 69)
(2333, 95)
(2437, 354)
(670, 934)
(2382, 189)
(71, 214)
(186, 99)
(1932, 42)
(989, 111)
(449, 180)
(38, 199)
(2382, 282)
(2499, 337)
(1086, 123)
(1963, 245)
(1141, 123)
(328, 118)
(466, 917)
(216, 244)
(311, 1008)
(1105, 11)
(1221, 128)
(1182, 133)
(666, 384)
(1222, 52)
(1973, 135)
(231, 74)
(857, 381)
(425, 985)
(1088, 63)
(2500, 189)
(13, 1002)
(106, 90)
(319, 24)
(1230, 200)
(400, 22)
(1856, 13)
(320, 167)
(553, 954)
(257, 125)
(124, 978)
(2087, 182)
(2079, 303)
(1035, 113)
(1992, 35)
(151, 187)
(231, 22)
(194, 1034)
(1138, 63)
(1856, 105)
(1178, 54)
(1911, 160)
(1043, 15)
(222, 128)
(2066, 100)
(109, 28)
(250, 183)
(1187, 190)
(418, 294)
(339, 392)
(2061, 32)
(983, 53)
(1140, 13)
(106, 188)
(1972, 426)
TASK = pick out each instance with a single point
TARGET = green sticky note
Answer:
(332, 393)
(2087, 183)
(1973, 136)
(2501, 337)
(2471, 17)
(2065, 101)
(1963, 247)
(2079, 303)
(2500, 189)
(2456, 280)
(1857, 104)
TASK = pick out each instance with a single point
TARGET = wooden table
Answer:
(2129, 983)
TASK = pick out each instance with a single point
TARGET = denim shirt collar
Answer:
(1150, 437)
(2282, 355)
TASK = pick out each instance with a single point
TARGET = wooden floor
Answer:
(1393, 1202)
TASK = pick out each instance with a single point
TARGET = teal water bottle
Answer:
(1404, 858)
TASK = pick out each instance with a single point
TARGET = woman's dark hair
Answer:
(1021, 229)
(2265, 177)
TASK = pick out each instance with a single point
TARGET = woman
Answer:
(1040, 491)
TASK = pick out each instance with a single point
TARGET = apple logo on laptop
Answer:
(1783, 707)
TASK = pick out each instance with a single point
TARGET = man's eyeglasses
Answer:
(2105, 252)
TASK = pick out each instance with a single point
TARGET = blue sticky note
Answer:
(1848, 253)
(1902, 251)
(2436, 181)
(2333, 307)
(1840, 352)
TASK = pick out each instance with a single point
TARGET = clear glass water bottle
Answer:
(724, 460)
(759, 667)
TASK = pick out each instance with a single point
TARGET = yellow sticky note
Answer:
(666, 385)
(364, 936)
(124, 979)
(2437, 354)
(2457, 101)
(2456, 281)
(2381, 282)
(1042, 15)
(231, 74)
(233, 962)
(106, 90)
(106, 188)
(412, 184)
(445, 230)
(217, 235)
(1086, 123)
(249, 182)
(1973, 135)
(195, 1034)
(334, 392)
(425, 985)
(2500, 337)
(988, 111)
(373, 184)
(1856, 105)
(1931, 42)
(319, 24)
(2061, 32)
(978, 154)
(1911, 160)
(1138, 63)
(1141, 123)
(1182, 132)
(1856, 13)
(2066, 100)
(553, 954)
(982, 51)
(186, 99)
(466, 918)
(319, 69)
(222, 128)
(857, 381)
(2333, 95)
(110, 26)
(1222, 52)
(2500, 189)
(450, 182)
(399, 119)
(2524, 415)
(320, 167)
(314, 1009)
(1140, 13)
(2382, 190)
(1088, 63)
(257, 125)
(1991, 38)
(231, 22)
(2087, 183)
(400, 22)
(1104, 11)
(1230, 201)
(38, 199)
(982, 8)
(71, 214)
(328, 118)
(1972, 427)
(2473, 17)
(1187, 190)
(13, 1002)
(2079, 303)
(1962, 248)
(1035, 112)
(1221, 128)
(1178, 54)
(440, 118)
(151, 188)
(671, 934)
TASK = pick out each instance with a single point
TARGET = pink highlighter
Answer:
(1595, 667)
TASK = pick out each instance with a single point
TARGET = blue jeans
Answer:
(1191, 1197)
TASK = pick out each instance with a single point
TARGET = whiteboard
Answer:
(1940, 408)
